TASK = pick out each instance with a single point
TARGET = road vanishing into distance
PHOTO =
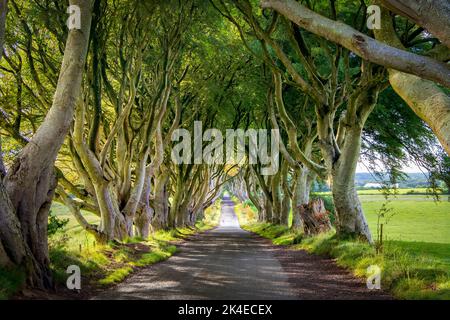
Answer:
(228, 263)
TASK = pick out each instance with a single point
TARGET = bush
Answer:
(55, 224)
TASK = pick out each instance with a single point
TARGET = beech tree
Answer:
(28, 187)
(425, 98)
(124, 139)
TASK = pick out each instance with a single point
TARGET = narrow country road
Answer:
(230, 263)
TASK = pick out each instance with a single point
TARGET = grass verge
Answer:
(410, 270)
(102, 265)
(105, 265)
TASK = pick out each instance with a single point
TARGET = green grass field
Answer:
(413, 219)
(419, 225)
(62, 212)
(404, 191)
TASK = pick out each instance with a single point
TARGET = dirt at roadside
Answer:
(315, 277)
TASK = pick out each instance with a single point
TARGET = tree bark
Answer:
(14, 248)
(364, 46)
(276, 202)
(2, 164)
(427, 100)
(162, 217)
(4, 259)
(300, 197)
(253, 196)
(30, 182)
(135, 197)
(286, 200)
(102, 188)
(341, 154)
(145, 212)
(424, 97)
(351, 219)
(434, 16)
(268, 210)
(3, 13)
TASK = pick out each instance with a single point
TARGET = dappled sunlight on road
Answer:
(225, 263)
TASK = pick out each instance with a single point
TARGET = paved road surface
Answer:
(230, 263)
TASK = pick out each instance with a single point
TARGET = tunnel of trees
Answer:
(87, 114)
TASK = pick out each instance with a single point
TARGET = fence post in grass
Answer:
(381, 238)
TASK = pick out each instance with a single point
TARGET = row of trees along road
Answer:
(87, 115)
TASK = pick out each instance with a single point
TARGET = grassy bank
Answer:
(103, 265)
(410, 269)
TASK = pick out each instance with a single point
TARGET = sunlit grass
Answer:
(155, 256)
(407, 273)
(413, 220)
(112, 263)
(109, 264)
(118, 275)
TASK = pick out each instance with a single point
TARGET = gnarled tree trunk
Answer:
(286, 200)
(30, 182)
(162, 217)
(276, 202)
(144, 212)
(351, 219)
(300, 197)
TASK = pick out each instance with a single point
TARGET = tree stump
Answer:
(315, 217)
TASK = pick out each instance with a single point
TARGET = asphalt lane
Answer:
(226, 263)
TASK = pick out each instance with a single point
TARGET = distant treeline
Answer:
(410, 180)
